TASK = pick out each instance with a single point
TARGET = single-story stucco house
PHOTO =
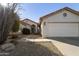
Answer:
(61, 23)
(31, 25)
(34, 25)
(24, 25)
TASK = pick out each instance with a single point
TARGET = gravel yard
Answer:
(35, 49)
(28, 48)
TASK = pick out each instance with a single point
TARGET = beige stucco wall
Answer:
(31, 23)
(23, 26)
(58, 17)
(46, 32)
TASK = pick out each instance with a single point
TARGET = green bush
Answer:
(14, 36)
(15, 27)
(16, 24)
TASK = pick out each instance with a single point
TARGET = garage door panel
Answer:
(62, 29)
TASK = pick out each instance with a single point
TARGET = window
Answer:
(64, 14)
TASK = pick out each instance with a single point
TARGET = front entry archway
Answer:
(33, 29)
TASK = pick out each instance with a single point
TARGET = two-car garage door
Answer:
(62, 29)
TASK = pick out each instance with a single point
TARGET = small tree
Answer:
(16, 24)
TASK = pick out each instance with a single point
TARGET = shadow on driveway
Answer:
(68, 40)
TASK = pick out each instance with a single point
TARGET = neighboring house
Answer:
(24, 25)
(61, 23)
(34, 25)
(31, 25)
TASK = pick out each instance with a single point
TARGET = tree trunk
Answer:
(6, 22)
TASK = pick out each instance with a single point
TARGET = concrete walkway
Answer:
(64, 48)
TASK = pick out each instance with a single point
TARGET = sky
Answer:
(34, 11)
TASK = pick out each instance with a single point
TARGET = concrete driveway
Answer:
(67, 40)
(68, 46)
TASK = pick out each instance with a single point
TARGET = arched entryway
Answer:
(33, 29)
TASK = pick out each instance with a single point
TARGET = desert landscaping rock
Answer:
(35, 49)
(26, 47)
(8, 47)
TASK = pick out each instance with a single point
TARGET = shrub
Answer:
(15, 27)
(13, 35)
(25, 31)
